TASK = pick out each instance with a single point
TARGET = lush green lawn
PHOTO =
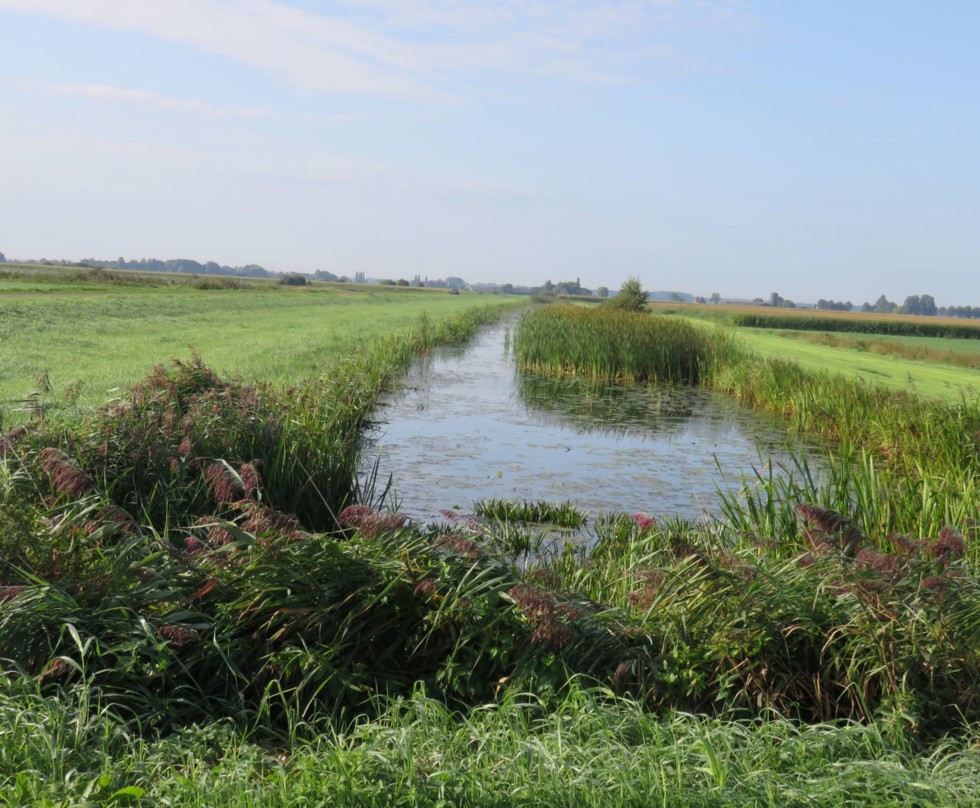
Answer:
(969, 346)
(114, 336)
(929, 380)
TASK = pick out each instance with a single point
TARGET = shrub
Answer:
(631, 297)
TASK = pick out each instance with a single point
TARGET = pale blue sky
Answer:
(826, 148)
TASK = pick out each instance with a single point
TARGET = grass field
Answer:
(262, 332)
(927, 379)
(931, 379)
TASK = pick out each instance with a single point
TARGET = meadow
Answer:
(73, 343)
(201, 601)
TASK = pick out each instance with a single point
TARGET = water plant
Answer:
(563, 514)
(616, 344)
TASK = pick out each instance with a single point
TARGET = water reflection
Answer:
(592, 407)
(467, 426)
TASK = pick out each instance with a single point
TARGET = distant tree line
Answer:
(563, 288)
(972, 313)
(922, 305)
(834, 305)
(779, 302)
(179, 265)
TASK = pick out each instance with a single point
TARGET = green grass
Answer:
(920, 351)
(89, 345)
(940, 344)
(591, 749)
(893, 373)
(198, 605)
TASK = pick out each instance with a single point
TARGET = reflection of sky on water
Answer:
(465, 427)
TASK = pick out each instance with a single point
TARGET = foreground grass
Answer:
(589, 749)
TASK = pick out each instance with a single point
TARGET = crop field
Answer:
(201, 602)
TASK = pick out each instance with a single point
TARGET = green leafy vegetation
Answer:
(564, 514)
(617, 344)
(631, 297)
(201, 603)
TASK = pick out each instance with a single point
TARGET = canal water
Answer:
(466, 425)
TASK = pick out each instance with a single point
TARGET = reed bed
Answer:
(905, 465)
(609, 343)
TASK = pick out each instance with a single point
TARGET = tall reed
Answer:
(609, 343)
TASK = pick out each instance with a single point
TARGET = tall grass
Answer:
(907, 465)
(610, 343)
(589, 749)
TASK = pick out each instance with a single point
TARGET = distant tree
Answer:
(834, 305)
(3, 258)
(402, 282)
(631, 297)
(700, 299)
(912, 305)
(866, 307)
(293, 279)
(507, 288)
(570, 288)
(715, 298)
(602, 291)
(884, 306)
(387, 282)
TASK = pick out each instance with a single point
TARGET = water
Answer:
(466, 426)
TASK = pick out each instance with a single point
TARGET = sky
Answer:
(818, 149)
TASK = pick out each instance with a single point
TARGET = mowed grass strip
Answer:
(934, 381)
(896, 373)
(957, 352)
(94, 343)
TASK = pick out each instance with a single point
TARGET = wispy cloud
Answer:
(110, 93)
(412, 50)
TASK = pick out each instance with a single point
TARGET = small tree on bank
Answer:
(631, 297)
